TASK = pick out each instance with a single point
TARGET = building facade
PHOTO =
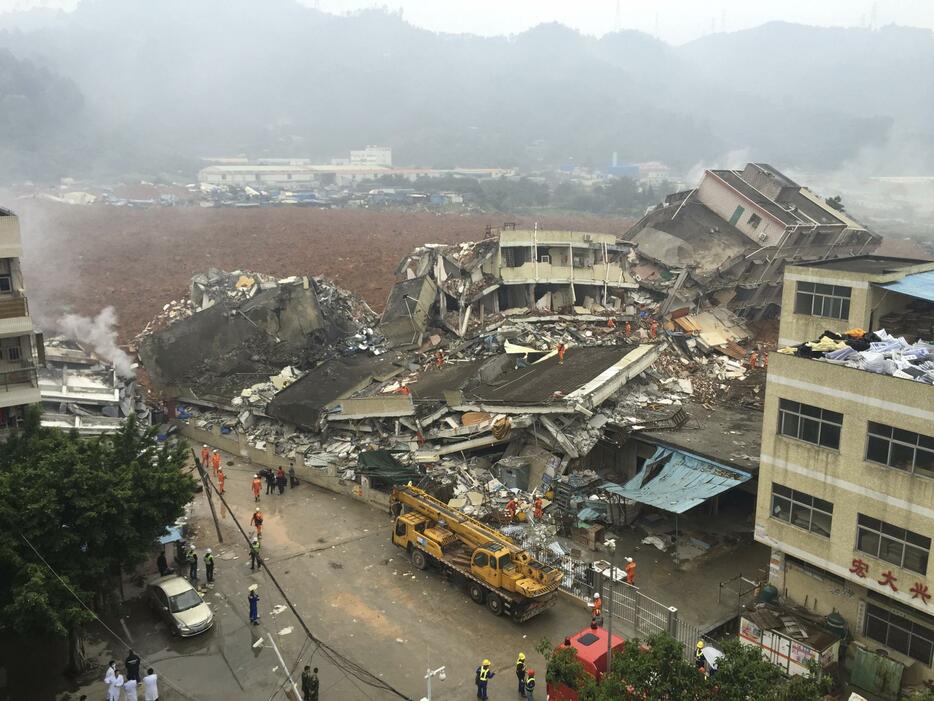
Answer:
(846, 480)
(19, 384)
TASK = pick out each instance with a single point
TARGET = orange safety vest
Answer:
(257, 485)
(630, 572)
(216, 460)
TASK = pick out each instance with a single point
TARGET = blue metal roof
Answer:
(682, 482)
(172, 534)
(920, 285)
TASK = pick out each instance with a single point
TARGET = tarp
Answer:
(172, 534)
(919, 285)
(382, 466)
(676, 481)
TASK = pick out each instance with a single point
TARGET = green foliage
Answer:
(656, 670)
(836, 202)
(92, 507)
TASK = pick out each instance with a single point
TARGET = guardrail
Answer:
(19, 376)
(13, 307)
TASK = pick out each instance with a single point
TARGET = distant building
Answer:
(735, 232)
(19, 351)
(846, 477)
(372, 156)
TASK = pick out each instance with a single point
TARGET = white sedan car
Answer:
(180, 605)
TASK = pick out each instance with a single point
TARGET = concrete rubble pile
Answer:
(83, 391)
(459, 385)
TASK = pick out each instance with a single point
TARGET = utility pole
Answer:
(205, 480)
(288, 674)
(611, 547)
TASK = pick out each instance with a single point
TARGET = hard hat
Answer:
(597, 595)
(628, 559)
(486, 663)
(700, 644)
(253, 587)
(205, 445)
(255, 539)
(208, 551)
(257, 509)
(215, 450)
(521, 655)
(531, 673)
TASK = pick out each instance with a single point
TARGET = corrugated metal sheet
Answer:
(682, 482)
(920, 285)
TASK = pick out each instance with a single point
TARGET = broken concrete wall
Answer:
(407, 311)
(200, 354)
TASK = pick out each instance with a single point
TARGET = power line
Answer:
(123, 642)
(347, 666)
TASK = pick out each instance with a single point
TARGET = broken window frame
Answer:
(892, 440)
(754, 220)
(801, 503)
(892, 543)
(826, 425)
(878, 626)
(820, 299)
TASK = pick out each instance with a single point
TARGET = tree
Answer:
(836, 202)
(656, 670)
(84, 510)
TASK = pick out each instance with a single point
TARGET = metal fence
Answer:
(632, 610)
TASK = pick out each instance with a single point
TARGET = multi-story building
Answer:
(372, 156)
(19, 384)
(735, 232)
(846, 480)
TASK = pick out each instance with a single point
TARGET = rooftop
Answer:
(865, 264)
(734, 180)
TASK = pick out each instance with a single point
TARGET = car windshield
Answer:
(184, 601)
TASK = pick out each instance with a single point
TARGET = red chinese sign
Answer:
(920, 590)
(859, 568)
(889, 579)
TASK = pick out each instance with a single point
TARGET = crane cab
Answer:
(489, 563)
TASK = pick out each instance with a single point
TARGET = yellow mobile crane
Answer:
(497, 572)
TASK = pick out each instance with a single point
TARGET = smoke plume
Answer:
(100, 335)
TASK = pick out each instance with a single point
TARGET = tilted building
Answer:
(19, 384)
(734, 233)
(846, 479)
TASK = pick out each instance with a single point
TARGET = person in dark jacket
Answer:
(482, 677)
(293, 478)
(132, 663)
(520, 673)
(270, 477)
(281, 480)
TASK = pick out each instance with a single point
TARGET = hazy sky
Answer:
(674, 21)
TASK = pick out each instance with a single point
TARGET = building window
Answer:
(899, 546)
(754, 220)
(13, 354)
(900, 633)
(6, 284)
(815, 299)
(809, 423)
(903, 450)
(801, 510)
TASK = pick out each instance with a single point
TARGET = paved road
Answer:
(355, 590)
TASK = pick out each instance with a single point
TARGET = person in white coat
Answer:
(110, 675)
(129, 690)
(116, 686)
(150, 686)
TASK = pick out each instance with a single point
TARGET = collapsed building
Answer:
(727, 241)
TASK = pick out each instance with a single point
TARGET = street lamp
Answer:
(611, 548)
(440, 673)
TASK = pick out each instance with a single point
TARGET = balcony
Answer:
(13, 307)
(19, 386)
(610, 273)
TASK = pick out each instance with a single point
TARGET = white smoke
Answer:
(100, 335)
(732, 160)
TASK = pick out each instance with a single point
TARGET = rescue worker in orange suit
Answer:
(628, 329)
(439, 358)
(538, 511)
(512, 506)
(562, 349)
(611, 323)
(216, 461)
(653, 328)
(630, 571)
(220, 480)
(257, 521)
(205, 456)
(257, 487)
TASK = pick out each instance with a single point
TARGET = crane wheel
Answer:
(495, 604)
(419, 559)
(476, 592)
